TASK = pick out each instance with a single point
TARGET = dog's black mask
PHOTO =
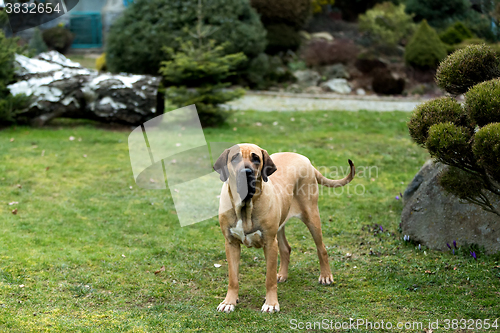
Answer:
(246, 184)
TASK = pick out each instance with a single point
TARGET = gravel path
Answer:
(270, 101)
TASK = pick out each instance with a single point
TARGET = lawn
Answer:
(81, 253)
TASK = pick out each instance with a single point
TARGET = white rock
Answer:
(340, 86)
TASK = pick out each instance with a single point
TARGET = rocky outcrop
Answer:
(59, 87)
(433, 217)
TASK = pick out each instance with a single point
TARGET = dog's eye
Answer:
(255, 158)
(235, 158)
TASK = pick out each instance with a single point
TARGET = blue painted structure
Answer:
(87, 28)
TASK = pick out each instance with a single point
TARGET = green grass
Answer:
(87, 61)
(85, 245)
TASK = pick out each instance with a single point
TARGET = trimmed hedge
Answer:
(449, 142)
(467, 67)
(482, 102)
(439, 110)
(486, 148)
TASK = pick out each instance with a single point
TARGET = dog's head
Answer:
(244, 166)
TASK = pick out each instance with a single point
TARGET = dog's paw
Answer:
(281, 278)
(270, 308)
(226, 307)
(326, 280)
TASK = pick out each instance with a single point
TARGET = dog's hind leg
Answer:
(285, 250)
(310, 217)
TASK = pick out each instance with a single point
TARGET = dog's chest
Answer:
(253, 239)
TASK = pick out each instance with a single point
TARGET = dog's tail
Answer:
(336, 183)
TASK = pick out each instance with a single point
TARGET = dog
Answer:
(259, 195)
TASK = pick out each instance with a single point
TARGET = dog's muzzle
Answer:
(246, 183)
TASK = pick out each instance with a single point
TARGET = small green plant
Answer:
(36, 44)
(196, 75)
(9, 104)
(455, 34)
(467, 138)
(58, 38)
(387, 23)
(425, 50)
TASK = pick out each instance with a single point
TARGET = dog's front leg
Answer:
(233, 251)
(271, 253)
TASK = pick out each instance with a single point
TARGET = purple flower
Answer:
(381, 229)
(455, 244)
(397, 197)
(447, 244)
(419, 247)
(453, 251)
(473, 254)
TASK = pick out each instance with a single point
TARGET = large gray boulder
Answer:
(433, 217)
(307, 77)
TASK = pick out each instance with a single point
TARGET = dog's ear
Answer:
(268, 167)
(221, 165)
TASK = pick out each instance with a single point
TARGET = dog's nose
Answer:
(246, 171)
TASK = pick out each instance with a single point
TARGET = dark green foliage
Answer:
(438, 13)
(486, 148)
(36, 44)
(449, 143)
(58, 38)
(351, 9)
(387, 24)
(196, 75)
(265, 70)
(282, 37)
(483, 102)
(8, 50)
(456, 33)
(461, 183)
(440, 110)
(283, 19)
(8, 104)
(425, 50)
(294, 13)
(136, 39)
(467, 67)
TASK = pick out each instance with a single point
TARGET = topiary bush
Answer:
(387, 23)
(467, 138)
(58, 38)
(425, 50)
(483, 102)
(135, 40)
(486, 148)
(436, 111)
(467, 67)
